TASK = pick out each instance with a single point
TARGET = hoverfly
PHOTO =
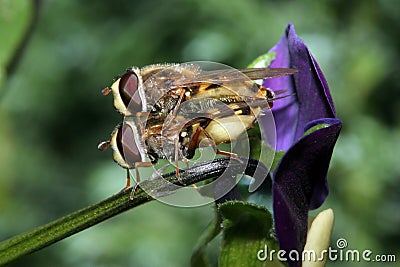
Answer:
(136, 140)
(169, 109)
(160, 88)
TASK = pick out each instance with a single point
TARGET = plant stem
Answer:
(75, 222)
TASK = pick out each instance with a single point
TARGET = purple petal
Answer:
(312, 96)
(320, 187)
(312, 100)
(324, 85)
(285, 110)
(300, 184)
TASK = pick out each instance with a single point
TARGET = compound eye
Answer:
(128, 89)
(127, 145)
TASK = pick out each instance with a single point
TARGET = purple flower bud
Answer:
(299, 182)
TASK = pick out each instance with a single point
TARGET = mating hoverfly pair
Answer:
(171, 109)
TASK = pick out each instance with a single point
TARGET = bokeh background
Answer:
(52, 114)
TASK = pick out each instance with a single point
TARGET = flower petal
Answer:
(312, 99)
(285, 110)
(300, 184)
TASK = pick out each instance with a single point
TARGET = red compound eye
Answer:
(128, 89)
(127, 146)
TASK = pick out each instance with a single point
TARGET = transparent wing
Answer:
(164, 84)
(234, 75)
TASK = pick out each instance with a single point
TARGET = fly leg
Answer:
(194, 144)
(176, 156)
(214, 146)
(128, 181)
(178, 103)
(170, 119)
(186, 161)
(137, 165)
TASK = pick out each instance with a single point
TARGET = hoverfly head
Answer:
(125, 142)
(127, 90)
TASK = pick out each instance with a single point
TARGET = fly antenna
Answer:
(279, 92)
(284, 96)
(106, 91)
(103, 145)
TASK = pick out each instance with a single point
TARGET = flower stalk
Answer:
(75, 222)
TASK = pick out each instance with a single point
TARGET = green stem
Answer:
(75, 222)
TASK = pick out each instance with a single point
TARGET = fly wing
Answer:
(225, 82)
(161, 79)
(266, 73)
(234, 75)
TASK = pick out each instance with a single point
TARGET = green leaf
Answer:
(278, 156)
(14, 22)
(262, 61)
(247, 231)
(315, 128)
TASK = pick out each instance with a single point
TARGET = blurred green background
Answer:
(52, 114)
